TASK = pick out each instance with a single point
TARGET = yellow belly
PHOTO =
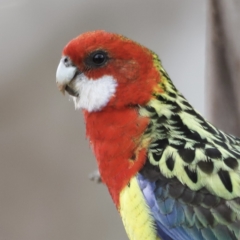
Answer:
(136, 216)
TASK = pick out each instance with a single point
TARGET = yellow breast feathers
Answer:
(135, 213)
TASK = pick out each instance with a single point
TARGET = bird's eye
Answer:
(97, 59)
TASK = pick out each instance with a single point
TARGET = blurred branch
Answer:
(223, 65)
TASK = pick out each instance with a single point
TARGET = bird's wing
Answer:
(191, 179)
(183, 213)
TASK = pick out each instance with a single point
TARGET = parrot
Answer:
(171, 174)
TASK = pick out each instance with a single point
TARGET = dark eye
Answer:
(97, 59)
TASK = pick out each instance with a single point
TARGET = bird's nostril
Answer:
(67, 62)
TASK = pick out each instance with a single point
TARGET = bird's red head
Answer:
(109, 76)
(108, 70)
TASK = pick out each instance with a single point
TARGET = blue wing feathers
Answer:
(178, 219)
(208, 234)
(169, 214)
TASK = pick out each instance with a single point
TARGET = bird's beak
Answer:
(61, 88)
(66, 72)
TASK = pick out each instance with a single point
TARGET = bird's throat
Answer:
(117, 139)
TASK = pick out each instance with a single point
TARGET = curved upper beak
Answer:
(66, 71)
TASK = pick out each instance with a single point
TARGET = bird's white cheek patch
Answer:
(94, 94)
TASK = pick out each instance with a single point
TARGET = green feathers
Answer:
(184, 145)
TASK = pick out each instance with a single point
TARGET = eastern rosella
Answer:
(171, 174)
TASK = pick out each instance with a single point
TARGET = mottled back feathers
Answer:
(192, 170)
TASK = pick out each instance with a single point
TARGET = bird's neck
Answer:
(117, 140)
(175, 124)
(171, 112)
(174, 121)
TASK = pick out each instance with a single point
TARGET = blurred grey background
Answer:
(45, 158)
